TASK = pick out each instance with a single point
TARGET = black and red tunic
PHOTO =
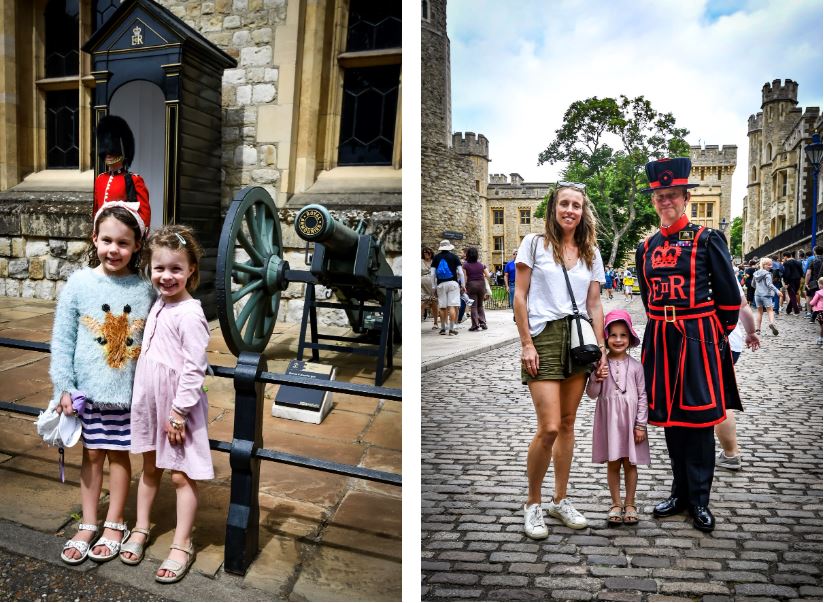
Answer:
(692, 300)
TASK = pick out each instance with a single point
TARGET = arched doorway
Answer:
(142, 105)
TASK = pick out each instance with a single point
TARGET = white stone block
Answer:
(29, 289)
(45, 290)
(256, 56)
(270, 75)
(57, 248)
(265, 175)
(5, 246)
(231, 22)
(240, 6)
(263, 93)
(241, 38)
(243, 94)
(53, 269)
(36, 248)
(207, 8)
(18, 247)
(245, 155)
(75, 250)
(12, 287)
(19, 268)
(234, 76)
(262, 36)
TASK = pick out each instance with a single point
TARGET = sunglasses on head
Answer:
(576, 185)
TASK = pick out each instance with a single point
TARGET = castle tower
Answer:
(436, 87)
(752, 202)
(712, 169)
(453, 168)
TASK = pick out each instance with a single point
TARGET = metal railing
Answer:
(791, 239)
(499, 300)
(246, 448)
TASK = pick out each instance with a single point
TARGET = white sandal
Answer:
(112, 545)
(179, 569)
(137, 549)
(80, 545)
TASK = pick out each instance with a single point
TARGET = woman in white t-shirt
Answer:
(542, 305)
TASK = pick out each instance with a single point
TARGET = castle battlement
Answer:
(467, 143)
(788, 91)
(712, 155)
(755, 122)
(497, 179)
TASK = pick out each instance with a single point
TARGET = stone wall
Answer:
(512, 197)
(42, 242)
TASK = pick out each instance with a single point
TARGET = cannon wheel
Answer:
(247, 315)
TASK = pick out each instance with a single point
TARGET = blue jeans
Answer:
(512, 296)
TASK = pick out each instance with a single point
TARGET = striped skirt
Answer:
(106, 428)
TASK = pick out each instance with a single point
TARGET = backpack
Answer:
(443, 272)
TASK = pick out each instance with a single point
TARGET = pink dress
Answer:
(621, 404)
(170, 371)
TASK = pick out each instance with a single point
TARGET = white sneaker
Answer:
(567, 514)
(534, 525)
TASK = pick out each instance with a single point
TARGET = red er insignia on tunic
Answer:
(665, 256)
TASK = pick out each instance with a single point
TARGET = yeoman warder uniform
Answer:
(117, 185)
(692, 300)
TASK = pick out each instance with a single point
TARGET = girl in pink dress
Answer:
(619, 432)
(169, 407)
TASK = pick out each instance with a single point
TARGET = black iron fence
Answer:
(789, 240)
(246, 448)
(499, 300)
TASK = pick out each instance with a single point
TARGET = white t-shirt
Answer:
(736, 338)
(548, 297)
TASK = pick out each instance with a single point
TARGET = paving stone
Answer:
(462, 556)
(792, 579)
(453, 578)
(608, 595)
(694, 588)
(641, 584)
(457, 593)
(557, 583)
(649, 562)
(527, 568)
(479, 567)
(571, 595)
(526, 594)
(504, 580)
(765, 590)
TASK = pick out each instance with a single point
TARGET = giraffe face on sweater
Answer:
(115, 335)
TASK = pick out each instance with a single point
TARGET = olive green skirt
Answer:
(552, 345)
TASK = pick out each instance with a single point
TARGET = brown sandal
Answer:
(613, 518)
(630, 517)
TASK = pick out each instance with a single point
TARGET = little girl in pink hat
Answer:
(619, 432)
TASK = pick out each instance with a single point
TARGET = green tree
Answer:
(736, 237)
(615, 175)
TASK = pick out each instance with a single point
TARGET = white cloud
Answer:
(517, 66)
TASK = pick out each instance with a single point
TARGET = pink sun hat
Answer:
(622, 316)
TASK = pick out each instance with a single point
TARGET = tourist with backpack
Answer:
(792, 279)
(448, 280)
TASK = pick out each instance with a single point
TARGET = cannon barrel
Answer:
(315, 224)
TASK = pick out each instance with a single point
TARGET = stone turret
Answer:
(755, 122)
(778, 92)
(497, 179)
(712, 155)
(467, 143)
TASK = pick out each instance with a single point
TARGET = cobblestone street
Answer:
(477, 422)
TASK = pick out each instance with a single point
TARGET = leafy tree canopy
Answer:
(736, 237)
(606, 143)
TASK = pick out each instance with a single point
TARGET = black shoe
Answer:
(702, 519)
(484, 327)
(473, 328)
(669, 507)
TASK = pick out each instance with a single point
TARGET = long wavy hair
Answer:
(585, 233)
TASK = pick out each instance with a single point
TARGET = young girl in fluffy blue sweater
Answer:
(98, 328)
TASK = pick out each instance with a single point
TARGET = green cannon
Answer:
(252, 274)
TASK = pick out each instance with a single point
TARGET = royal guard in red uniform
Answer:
(116, 185)
(692, 300)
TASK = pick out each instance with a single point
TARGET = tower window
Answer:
(497, 216)
(526, 216)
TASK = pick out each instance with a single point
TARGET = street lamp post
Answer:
(813, 152)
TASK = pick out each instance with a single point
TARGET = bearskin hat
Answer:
(114, 137)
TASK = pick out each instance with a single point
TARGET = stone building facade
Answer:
(779, 178)
(453, 167)
(510, 215)
(287, 123)
(712, 169)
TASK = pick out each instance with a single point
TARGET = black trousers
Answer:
(692, 456)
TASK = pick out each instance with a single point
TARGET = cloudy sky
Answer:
(517, 66)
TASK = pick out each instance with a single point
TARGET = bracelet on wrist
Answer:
(176, 424)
